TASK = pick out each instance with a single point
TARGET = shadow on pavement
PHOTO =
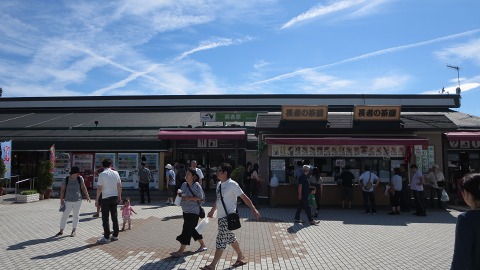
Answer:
(63, 252)
(167, 263)
(172, 217)
(33, 242)
(382, 218)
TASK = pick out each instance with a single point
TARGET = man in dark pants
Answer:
(406, 198)
(416, 185)
(110, 186)
(144, 183)
(303, 192)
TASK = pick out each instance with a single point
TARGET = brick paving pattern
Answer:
(344, 239)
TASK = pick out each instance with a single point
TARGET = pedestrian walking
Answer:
(227, 193)
(303, 191)
(71, 199)
(144, 182)
(110, 186)
(170, 177)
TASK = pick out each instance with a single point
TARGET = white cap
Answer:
(169, 166)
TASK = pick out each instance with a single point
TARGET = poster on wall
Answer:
(151, 160)
(431, 156)
(128, 169)
(99, 157)
(425, 166)
(62, 167)
(275, 150)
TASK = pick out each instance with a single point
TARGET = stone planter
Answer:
(27, 198)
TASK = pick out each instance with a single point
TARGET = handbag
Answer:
(444, 197)
(233, 219)
(440, 184)
(201, 213)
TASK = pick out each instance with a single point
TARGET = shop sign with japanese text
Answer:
(377, 113)
(228, 116)
(305, 113)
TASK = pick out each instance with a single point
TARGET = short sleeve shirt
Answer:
(192, 206)
(108, 179)
(365, 177)
(172, 174)
(397, 182)
(230, 191)
(416, 178)
(200, 173)
(73, 192)
(303, 180)
(144, 175)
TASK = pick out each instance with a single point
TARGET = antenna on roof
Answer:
(458, 77)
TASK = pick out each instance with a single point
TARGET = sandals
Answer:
(59, 233)
(239, 263)
(200, 249)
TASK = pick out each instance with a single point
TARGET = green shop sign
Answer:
(228, 116)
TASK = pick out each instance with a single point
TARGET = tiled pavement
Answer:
(344, 239)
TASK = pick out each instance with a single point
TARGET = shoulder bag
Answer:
(368, 185)
(233, 219)
(201, 213)
(440, 184)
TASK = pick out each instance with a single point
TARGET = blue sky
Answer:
(173, 47)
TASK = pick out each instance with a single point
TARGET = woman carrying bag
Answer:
(192, 198)
(71, 199)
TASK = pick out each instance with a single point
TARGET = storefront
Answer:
(462, 157)
(208, 146)
(332, 141)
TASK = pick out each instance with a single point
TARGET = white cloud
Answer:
(369, 55)
(320, 10)
(211, 44)
(461, 52)
(392, 82)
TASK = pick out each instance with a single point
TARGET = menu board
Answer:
(62, 167)
(277, 168)
(338, 150)
(128, 167)
(151, 160)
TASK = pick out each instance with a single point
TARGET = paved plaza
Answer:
(344, 239)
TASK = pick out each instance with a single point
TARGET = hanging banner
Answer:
(7, 157)
(52, 158)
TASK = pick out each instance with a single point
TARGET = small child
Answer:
(313, 202)
(126, 213)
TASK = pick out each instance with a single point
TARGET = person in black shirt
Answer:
(303, 192)
(347, 186)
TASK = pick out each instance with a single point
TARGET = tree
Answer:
(45, 177)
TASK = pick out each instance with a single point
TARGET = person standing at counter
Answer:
(317, 181)
(298, 171)
(302, 193)
(416, 185)
(367, 181)
(347, 186)
(406, 199)
(437, 183)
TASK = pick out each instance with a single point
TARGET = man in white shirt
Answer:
(199, 172)
(110, 186)
(437, 183)
(368, 181)
(416, 185)
(229, 190)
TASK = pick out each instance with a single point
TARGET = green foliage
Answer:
(262, 146)
(28, 192)
(3, 168)
(45, 177)
(237, 174)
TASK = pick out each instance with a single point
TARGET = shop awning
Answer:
(347, 141)
(463, 136)
(202, 134)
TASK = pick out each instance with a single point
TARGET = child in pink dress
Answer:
(126, 213)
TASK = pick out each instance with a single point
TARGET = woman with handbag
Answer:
(227, 214)
(437, 184)
(192, 198)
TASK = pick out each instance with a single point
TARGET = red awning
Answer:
(463, 136)
(347, 141)
(202, 134)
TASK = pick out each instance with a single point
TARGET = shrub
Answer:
(28, 192)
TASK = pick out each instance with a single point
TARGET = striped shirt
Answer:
(192, 206)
